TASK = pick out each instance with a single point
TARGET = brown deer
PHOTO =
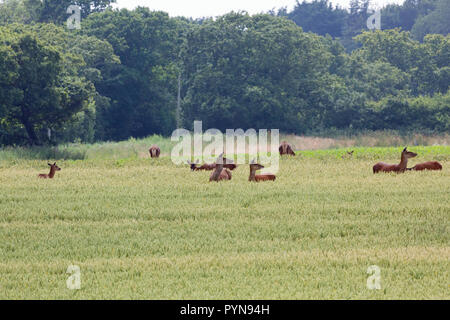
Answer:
(53, 169)
(154, 151)
(431, 165)
(348, 154)
(285, 148)
(220, 173)
(399, 168)
(228, 164)
(259, 177)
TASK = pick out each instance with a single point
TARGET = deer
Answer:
(285, 148)
(431, 165)
(259, 177)
(154, 151)
(349, 154)
(228, 164)
(53, 169)
(399, 168)
(220, 173)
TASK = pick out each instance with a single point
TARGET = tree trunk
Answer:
(34, 140)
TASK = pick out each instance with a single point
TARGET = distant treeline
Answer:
(137, 73)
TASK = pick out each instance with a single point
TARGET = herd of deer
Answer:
(223, 166)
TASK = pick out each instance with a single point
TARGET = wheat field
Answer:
(147, 229)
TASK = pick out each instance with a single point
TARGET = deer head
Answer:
(408, 154)
(193, 165)
(255, 166)
(54, 167)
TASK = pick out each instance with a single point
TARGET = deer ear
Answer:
(405, 148)
(49, 164)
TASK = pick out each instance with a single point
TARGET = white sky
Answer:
(204, 8)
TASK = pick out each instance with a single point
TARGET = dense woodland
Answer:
(136, 73)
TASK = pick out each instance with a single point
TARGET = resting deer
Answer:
(220, 173)
(154, 151)
(228, 164)
(259, 177)
(53, 169)
(285, 148)
(399, 168)
(431, 165)
(349, 154)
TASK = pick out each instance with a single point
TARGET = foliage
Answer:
(117, 77)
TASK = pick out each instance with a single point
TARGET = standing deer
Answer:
(399, 168)
(431, 165)
(220, 173)
(53, 169)
(154, 151)
(285, 148)
(259, 177)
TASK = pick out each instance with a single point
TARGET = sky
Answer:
(204, 8)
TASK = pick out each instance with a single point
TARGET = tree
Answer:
(405, 15)
(319, 17)
(49, 11)
(143, 88)
(56, 10)
(252, 72)
(21, 11)
(438, 21)
(39, 92)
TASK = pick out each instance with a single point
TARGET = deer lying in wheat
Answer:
(399, 168)
(430, 165)
(285, 148)
(259, 177)
(228, 164)
(53, 169)
(220, 173)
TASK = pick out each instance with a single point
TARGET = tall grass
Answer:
(147, 229)
(131, 148)
(138, 148)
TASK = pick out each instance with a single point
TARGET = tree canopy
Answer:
(314, 68)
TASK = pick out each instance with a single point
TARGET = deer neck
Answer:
(403, 162)
(252, 175)
(217, 172)
(52, 172)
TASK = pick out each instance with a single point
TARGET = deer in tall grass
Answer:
(220, 173)
(399, 168)
(53, 169)
(430, 165)
(154, 151)
(285, 148)
(259, 177)
(349, 154)
(228, 164)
